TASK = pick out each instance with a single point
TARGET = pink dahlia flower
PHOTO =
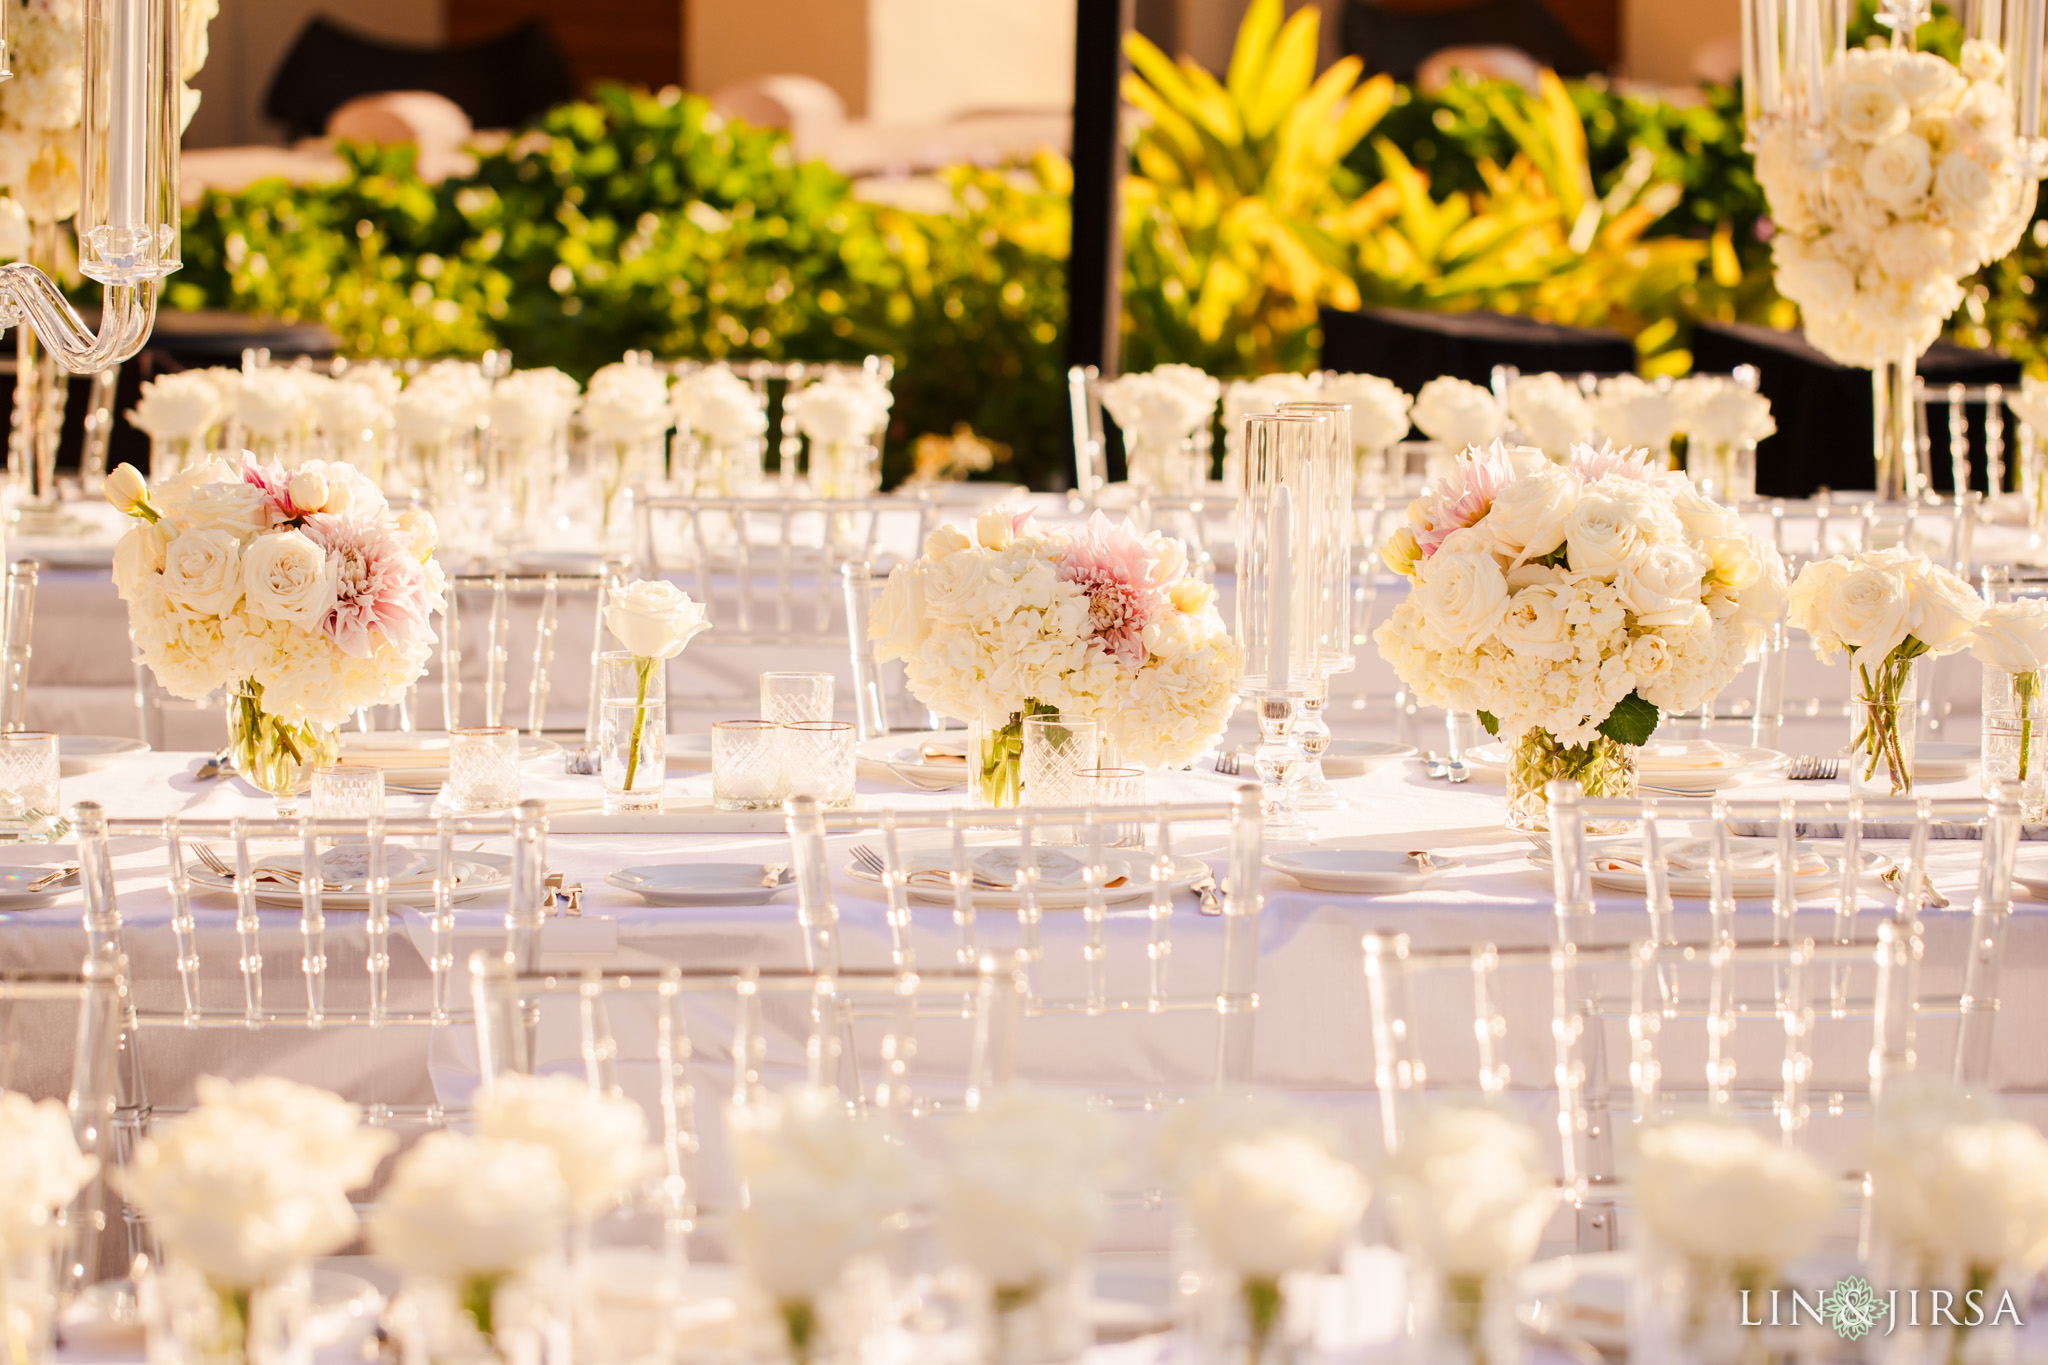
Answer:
(1125, 582)
(380, 586)
(1605, 462)
(276, 485)
(1462, 497)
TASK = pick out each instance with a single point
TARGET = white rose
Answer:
(1811, 278)
(1944, 610)
(1867, 109)
(1277, 1203)
(1537, 622)
(1913, 250)
(1634, 413)
(1458, 413)
(654, 619)
(1897, 170)
(1728, 1195)
(1982, 61)
(1735, 564)
(1603, 537)
(419, 530)
(286, 577)
(328, 1129)
(1529, 516)
(203, 572)
(233, 506)
(2012, 636)
(139, 556)
(43, 1172)
(1663, 587)
(1729, 416)
(1811, 599)
(272, 402)
(459, 1207)
(1470, 1189)
(599, 1141)
(993, 529)
(1964, 185)
(839, 410)
(727, 414)
(899, 624)
(1022, 1197)
(1462, 594)
(1925, 79)
(177, 407)
(1379, 409)
(1550, 412)
(1870, 610)
(1993, 1183)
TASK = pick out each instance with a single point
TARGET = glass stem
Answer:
(644, 667)
(2023, 686)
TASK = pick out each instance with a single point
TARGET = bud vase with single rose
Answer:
(191, 1319)
(2015, 742)
(1246, 1320)
(1044, 1323)
(1460, 1319)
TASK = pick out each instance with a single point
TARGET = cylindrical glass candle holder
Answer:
(1281, 530)
(348, 791)
(817, 761)
(790, 697)
(483, 768)
(2015, 724)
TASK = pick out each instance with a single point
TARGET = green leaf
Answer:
(1492, 725)
(1631, 721)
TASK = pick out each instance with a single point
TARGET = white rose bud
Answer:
(992, 529)
(128, 491)
(309, 492)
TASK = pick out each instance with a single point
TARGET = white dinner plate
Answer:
(1358, 871)
(695, 883)
(1670, 766)
(475, 874)
(417, 760)
(691, 753)
(13, 879)
(902, 756)
(88, 753)
(1059, 886)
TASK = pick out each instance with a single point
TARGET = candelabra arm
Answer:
(29, 298)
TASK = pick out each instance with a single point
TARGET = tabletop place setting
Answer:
(683, 863)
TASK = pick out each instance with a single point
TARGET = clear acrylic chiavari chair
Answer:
(15, 647)
(996, 910)
(503, 606)
(32, 1010)
(775, 380)
(881, 692)
(665, 1036)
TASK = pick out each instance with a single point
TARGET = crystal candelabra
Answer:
(1789, 50)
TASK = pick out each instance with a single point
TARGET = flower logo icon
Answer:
(1852, 1307)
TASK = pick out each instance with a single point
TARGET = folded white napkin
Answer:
(1684, 754)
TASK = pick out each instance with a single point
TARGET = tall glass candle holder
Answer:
(1279, 610)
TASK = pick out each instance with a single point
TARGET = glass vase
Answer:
(277, 756)
(1244, 1320)
(191, 1320)
(995, 755)
(1687, 1312)
(1884, 716)
(845, 469)
(2015, 749)
(1603, 768)
(1039, 1324)
(168, 455)
(483, 1320)
(1170, 467)
(1464, 1319)
(632, 733)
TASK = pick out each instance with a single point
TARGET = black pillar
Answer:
(1095, 265)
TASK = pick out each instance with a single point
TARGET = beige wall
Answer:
(1659, 38)
(726, 41)
(249, 39)
(932, 59)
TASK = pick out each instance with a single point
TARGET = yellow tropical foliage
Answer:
(1241, 219)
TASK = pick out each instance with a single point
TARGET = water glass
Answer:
(483, 768)
(347, 791)
(1056, 750)
(31, 811)
(632, 731)
(746, 765)
(817, 761)
(1115, 787)
(790, 697)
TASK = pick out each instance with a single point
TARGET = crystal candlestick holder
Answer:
(1308, 788)
(1278, 755)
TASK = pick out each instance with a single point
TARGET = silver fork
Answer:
(1229, 763)
(1212, 904)
(1814, 768)
(871, 862)
(219, 868)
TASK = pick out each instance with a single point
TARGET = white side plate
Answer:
(88, 753)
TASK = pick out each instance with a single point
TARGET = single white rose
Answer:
(721, 407)
(1603, 536)
(459, 1207)
(2012, 636)
(203, 572)
(272, 403)
(139, 556)
(1964, 185)
(419, 530)
(1735, 564)
(1725, 416)
(1458, 413)
(1945, 611)
(1379, 409)
(839, 410)
(1925, 79)
(1811, 598)
(1470, 1190)
(1897, 171)
(1537, 623)
(43, 1172)
(1022, 1196)
(1663, 587)
(1550, 411)
(1462, 595)
(232, 505)
(1528, 518)
(599, 1141)
(654, 618)
(1913, 250)
(177, 407)
(1277, 1203)
(329, 1130)
(1728, 1195)
(1870, 610)
(1155, 410)
(993, 529)
(1867, 109)
(1982, 61)
(1633, 413)
(1994, 1182)
(287, 577)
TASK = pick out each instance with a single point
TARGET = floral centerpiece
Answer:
(654, 620)
(1102, 623)
(843, 417)
(1906, 183)
(301, 592)
(1569, 604)
(1886, 609)
(1160, 413)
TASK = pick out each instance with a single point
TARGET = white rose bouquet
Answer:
(725, 417)
(1550, 412)
(599, 1141)
(1102, 623)
(1910, 183)
(1722, 423)
(302, 591)
(844, 417)
(1458, 414)
(1569, 604)
(1885, 609)
(1159, 412)
(44, 1171)
(1379, 419)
